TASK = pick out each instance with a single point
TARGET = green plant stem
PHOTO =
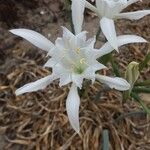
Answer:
(105, 139)
(115, 66)
(145, 62)
(68, 10)
(144, 83)
(141, 89)
(138, 99)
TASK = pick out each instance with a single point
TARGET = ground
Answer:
(38, 120)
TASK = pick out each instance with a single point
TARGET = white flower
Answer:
(73, 58)
(110, 10)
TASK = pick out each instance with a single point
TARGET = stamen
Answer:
(78, 50)
(82, 61)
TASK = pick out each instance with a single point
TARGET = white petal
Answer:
(66, 33)
(50, 63)
(78, 7)
(35, 86)
(68, 40)
(91, 7)
(98, 66)
(82, 35)
(89, 73)
(60, 44)
(81, 39)
(72, 107)
(99, 4)
(121, 40)
(133, 15)
(108, 28)
(77, 79)
(65, 79)
(35, 38)
(91, 42)
(62, 73)
(116, 83)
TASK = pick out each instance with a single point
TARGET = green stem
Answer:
(145, 62)
(141, 89)
(105, 140)
(138, 99)
(115, 66)
(144, 83)
(68, 10)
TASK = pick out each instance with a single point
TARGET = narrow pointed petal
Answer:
(89, 73)
(65, 79)
(116, 83)
(78, 7)
(108, 29)
(72, 107)
(50, 63)
(35, 86)
(91, 7)
(133, 15)
(91, 42)
(121, 40)
(82, 36)
(66, 33)
(35, 38)
(77, 80)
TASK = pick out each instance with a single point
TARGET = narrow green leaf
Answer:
(145, 62)
(138, 99)
(115, 67)
(105, 59)
(141, 89)
(144, 83)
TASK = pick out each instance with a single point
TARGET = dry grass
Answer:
(38, 121)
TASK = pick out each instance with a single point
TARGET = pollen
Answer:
(78, 50)
(82, 61)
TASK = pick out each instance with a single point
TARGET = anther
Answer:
(78, 50)
(82, 61)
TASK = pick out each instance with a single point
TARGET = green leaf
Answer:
(141, 89)
(105, 59)
(144, 83)
(145, 62)
(109, 58)
(138, 99)
(115, 66)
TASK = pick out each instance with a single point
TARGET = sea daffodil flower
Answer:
(72, 59)
(109, 11)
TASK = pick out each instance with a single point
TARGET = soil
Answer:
(38, 120)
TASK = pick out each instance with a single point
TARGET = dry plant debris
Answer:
(38, 120)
